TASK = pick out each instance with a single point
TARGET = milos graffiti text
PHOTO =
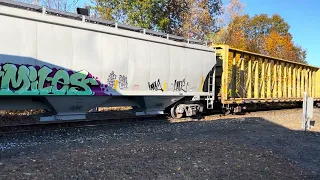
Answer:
(33, 80)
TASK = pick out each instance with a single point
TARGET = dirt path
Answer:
(260, 145)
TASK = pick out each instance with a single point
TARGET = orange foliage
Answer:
(237, 40)
(263, 34)
(280, 46)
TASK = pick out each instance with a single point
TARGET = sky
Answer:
(301, 15)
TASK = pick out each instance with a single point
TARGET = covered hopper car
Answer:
(70, 63)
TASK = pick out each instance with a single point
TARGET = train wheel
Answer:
(176, 112)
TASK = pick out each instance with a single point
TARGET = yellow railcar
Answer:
(250, 77)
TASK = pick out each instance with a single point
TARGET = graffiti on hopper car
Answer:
(155, 86)
(180, 85)
(111, 81)
(123, 82)
(114, 82)
(33, 80)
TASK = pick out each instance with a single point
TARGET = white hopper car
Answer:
(70, 63)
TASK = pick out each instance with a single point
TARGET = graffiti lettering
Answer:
(104, 88)
(155, 86)
(111, 79)
(123, 82)
(33, 80)
(180, 85)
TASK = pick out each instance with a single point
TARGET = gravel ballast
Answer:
(260, 145)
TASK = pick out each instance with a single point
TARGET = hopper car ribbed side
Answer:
(68, 63)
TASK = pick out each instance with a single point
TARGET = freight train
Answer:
(70, 63)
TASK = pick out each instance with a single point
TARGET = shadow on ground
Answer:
(245, 148)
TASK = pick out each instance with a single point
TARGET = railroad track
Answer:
(74, 124)
(20, 128)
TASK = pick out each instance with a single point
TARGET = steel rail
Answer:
(59, 125)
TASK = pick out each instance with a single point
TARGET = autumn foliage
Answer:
(282, 46)
(268, 35)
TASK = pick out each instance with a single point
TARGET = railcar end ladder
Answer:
(211, 84)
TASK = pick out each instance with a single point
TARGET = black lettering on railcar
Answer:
(180, 85)
(155, 86)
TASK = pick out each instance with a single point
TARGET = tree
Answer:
(233, 10)
(111, 10)
(301, 53)
(188, 18)
(279, 46)
(270, 36)
(199, 20)
(62, 5)
(140, 13)
(260, 26)
(231, 24)
(260, 33)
